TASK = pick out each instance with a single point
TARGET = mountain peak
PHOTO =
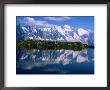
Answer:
(60, 33)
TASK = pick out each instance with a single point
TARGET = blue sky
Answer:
(85, 22)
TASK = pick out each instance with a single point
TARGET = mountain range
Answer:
(64, 33)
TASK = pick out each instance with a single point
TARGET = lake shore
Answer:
(39, 44)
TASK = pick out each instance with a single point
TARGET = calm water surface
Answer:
(54, 61)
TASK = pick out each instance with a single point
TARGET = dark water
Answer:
(54, 61)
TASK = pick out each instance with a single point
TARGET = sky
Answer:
(85, 22)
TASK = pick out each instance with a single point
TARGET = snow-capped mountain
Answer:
(55, 33)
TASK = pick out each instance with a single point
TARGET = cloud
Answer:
(32, 21)
(57, 18)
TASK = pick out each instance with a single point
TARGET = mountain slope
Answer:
(60, 33)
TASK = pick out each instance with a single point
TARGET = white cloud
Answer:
(32, 21)
(65, 17)
(57, 18)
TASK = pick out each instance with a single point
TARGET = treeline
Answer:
(38, 44)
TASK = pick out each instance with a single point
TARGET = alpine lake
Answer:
(53, 57)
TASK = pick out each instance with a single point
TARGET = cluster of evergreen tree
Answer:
(38, 44)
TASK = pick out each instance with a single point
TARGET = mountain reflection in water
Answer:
(54, 61)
